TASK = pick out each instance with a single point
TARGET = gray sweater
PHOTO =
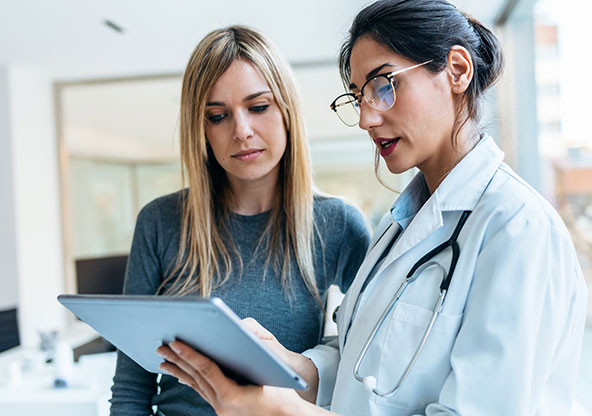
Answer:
(296, 321)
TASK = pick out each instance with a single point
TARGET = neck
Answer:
(251, 198)
(436, 169)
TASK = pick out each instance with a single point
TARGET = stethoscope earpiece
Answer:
(370, 383)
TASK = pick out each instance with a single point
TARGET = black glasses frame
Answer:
(357, 96)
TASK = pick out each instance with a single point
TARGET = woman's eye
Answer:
(259, 108)
(216, 118)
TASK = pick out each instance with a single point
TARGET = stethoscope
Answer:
(370, 381)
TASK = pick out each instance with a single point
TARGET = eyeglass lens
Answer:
(378, 93)
(348, 110)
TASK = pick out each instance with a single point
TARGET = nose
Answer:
(242, 127)
(369, 117)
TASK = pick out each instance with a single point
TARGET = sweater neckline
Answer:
(256, 218)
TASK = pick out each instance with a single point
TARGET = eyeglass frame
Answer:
(357, 96)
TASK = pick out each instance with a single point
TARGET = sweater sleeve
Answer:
(353, 246)
(133, 387)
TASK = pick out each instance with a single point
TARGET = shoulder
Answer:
(164, 205)
(165, 211)
(327, 203)
(523, 238)
(510, 202)
(340, 221)
(337, 211)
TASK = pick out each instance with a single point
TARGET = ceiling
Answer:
(70, 36)
(120, 90)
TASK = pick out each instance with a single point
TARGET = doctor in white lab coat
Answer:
(507, 338)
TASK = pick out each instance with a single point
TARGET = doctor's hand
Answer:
(224, 394)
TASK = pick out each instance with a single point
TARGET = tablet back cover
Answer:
(138, 325)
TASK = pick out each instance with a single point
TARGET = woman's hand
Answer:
(224, 394)
(269, 340)
(298, 362)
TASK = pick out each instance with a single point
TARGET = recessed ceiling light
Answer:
(114, 26)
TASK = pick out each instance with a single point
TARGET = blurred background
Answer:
(89, 98)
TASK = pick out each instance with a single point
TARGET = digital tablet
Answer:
(138, 325)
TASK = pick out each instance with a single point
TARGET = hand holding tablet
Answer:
(138, 325)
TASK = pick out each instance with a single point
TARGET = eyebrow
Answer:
(247, 98)
(372, 73)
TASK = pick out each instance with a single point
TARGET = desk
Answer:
(87, 394)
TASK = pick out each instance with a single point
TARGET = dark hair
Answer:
(423, 30)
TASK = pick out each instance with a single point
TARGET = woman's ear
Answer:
(460, 69)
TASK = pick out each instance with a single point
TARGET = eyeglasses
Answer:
(379, 93)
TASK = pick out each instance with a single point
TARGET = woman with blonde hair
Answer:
(249, 227)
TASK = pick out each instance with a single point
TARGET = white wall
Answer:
(36, 203)
(8, 258)
(575, 71)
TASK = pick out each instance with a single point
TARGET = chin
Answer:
(252, 175)
(397, 169)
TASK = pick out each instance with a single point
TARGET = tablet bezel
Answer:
(136, 337)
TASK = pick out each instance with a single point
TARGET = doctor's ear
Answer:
(459, 66)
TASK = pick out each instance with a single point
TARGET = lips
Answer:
(247, 154)
(386, 145)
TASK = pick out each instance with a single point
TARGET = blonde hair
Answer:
(203, 261)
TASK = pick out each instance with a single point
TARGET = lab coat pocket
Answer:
(403, 336)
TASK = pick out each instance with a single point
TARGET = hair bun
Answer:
(490, 51)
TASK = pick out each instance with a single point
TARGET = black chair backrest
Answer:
(101, 275)
(9, 335)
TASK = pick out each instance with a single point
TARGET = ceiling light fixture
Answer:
(114, 26)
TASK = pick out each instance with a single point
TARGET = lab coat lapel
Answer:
(427, 220)
(452, 195)
(385, 232)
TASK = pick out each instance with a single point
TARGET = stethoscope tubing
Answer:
(370, 381)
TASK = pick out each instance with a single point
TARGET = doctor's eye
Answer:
(386, 88)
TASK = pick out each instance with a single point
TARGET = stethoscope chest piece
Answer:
(370, 382)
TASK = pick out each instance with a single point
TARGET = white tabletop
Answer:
(31, 392)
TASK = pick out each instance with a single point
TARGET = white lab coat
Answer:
(509, 336)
